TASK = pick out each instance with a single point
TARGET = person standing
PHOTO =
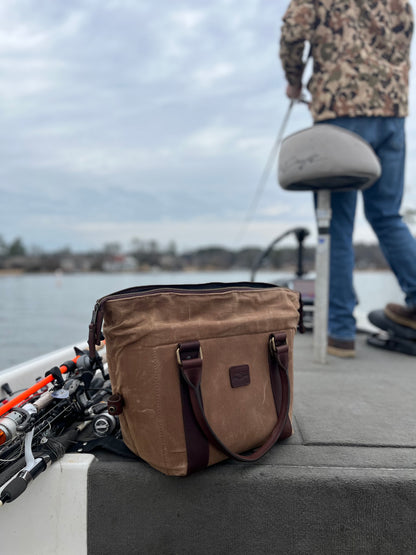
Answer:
(361, 60)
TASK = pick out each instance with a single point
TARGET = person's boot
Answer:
(341, 347)
(403, 315)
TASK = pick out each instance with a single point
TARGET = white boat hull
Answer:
(50, 518)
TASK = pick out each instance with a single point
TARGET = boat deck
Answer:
(344, 483)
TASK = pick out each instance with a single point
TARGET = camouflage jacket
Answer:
(360, 51)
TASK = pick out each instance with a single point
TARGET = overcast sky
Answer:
(124, 119)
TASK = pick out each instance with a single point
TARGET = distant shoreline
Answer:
(286, 270)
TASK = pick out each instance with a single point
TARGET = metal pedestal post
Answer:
(320, 324)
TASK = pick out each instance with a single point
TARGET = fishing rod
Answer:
(49, 377)
(38, 412)
(56, 404)
(53, 449)
(49, 425)
(268, 166)
(16, 418)
(55, 421)
(53, 373)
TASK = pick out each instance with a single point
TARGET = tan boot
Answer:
(341, 348)
(403, 315)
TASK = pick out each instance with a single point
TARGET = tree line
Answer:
(143, 255)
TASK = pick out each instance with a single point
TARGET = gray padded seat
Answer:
(326, 157)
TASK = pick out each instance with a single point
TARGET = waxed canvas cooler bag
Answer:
(201, 372)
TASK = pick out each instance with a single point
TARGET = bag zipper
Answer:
(132, 292)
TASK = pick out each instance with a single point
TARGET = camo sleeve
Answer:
(361, 55)
(298, 24)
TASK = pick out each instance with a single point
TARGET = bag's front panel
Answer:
(236, 390)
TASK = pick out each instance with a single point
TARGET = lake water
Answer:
(41, 313)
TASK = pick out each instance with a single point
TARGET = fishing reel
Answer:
(17, 421)
(105, 424)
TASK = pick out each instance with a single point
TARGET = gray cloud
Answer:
(121, 117)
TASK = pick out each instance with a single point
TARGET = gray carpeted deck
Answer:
(344, 483)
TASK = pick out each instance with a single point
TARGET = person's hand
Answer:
(293, 91)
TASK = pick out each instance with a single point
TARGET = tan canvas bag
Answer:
(199, 372)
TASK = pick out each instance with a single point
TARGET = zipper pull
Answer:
(95, 312)
(94, 336)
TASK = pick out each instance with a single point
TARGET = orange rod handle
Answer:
(33, 389)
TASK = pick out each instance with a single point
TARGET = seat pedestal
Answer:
(320, 319)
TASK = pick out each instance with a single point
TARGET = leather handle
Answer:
(190, 362)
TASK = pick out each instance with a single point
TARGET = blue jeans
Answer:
(382, 203)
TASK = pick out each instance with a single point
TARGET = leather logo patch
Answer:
(240, 375)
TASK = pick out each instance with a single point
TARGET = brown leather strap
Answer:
(115, 404)
(190, 364)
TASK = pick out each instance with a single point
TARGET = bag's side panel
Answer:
(149, 385)
(290, 338)
(132, 376)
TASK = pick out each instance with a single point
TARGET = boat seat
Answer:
(326, 157)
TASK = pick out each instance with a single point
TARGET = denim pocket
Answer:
(396, 136)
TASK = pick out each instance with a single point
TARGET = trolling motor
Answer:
(300, 233)
(305, 285)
